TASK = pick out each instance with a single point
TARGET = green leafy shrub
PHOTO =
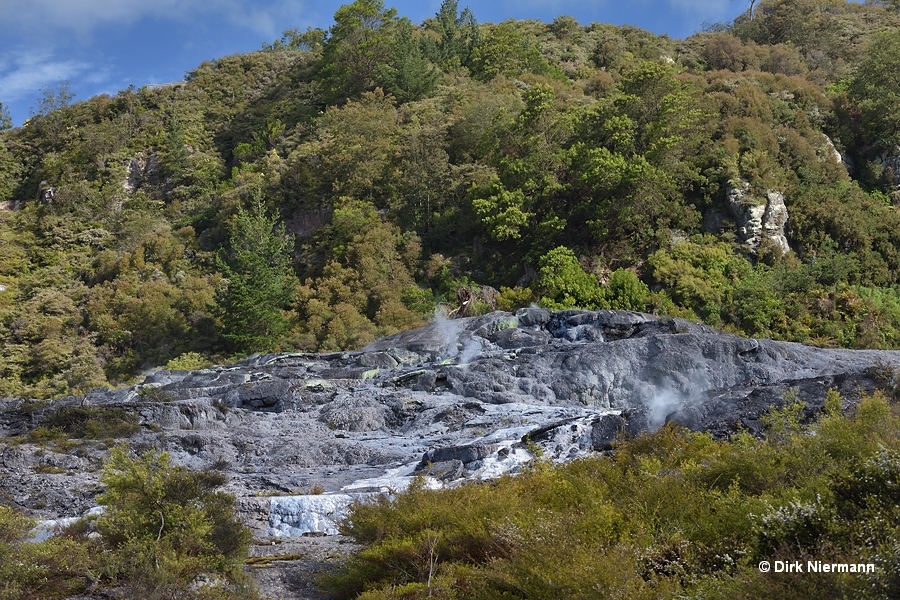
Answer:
(167, 526)
(166, 533)
(57, 568)
(563, 283)
(669, 513)
(94, 422)
(189, 361)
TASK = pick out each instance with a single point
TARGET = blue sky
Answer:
(103, 46)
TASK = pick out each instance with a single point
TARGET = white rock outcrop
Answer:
(145, 168)
(758, 219)
(835, 153)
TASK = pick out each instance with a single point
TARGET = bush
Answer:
(189, 361)
(670, 513)
(166, 532)
(94, 422)
(56, 568)
(167, 526)
(563, 283)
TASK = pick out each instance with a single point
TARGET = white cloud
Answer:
(23, 72)
(268, 19)
(42, 17)
(82, 16)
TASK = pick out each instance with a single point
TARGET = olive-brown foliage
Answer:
(164, 530)
(669, 513)
(477, 149)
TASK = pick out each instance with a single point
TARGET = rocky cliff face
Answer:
(301, 435)
(757, 220)
(753, 219)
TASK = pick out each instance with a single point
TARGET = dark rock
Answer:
(533, 317)
(447, 470)
(425, 382)
(378, 360)
(314, 534)
(636, 421)
(464, 454)
(544, 432)
(520, 338)
(605, 430)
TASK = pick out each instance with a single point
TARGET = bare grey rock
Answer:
(832, 152)
(301, 436)
(758, 219)
(454, 401)
(145, 169)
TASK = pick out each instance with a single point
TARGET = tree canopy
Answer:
(341, 185)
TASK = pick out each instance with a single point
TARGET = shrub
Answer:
(56, 568)
(189, 361)
(167, 526)
(670, 513)
(94, 422)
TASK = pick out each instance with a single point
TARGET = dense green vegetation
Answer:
(672, 514)
(166, 533)
(336, 186)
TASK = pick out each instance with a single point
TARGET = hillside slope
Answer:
(336, 187)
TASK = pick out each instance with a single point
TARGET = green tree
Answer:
(503, 212)
(353, 150)
(260, 281)
(657, 114)
(408, 75)
(311, 40)
(636, 160)
(563, 283)
(508, 51)
(358, 43)
(525, 199)
(167, 525)
(5, 118)
(875, 88)
(10, 170)
(54, 98)
(367, 288)
(457, 34)
(423, 172)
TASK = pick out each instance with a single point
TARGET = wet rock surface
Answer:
(302, 435)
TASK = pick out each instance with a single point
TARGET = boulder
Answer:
(464, 454)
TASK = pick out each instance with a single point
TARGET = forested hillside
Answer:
(337, 186)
